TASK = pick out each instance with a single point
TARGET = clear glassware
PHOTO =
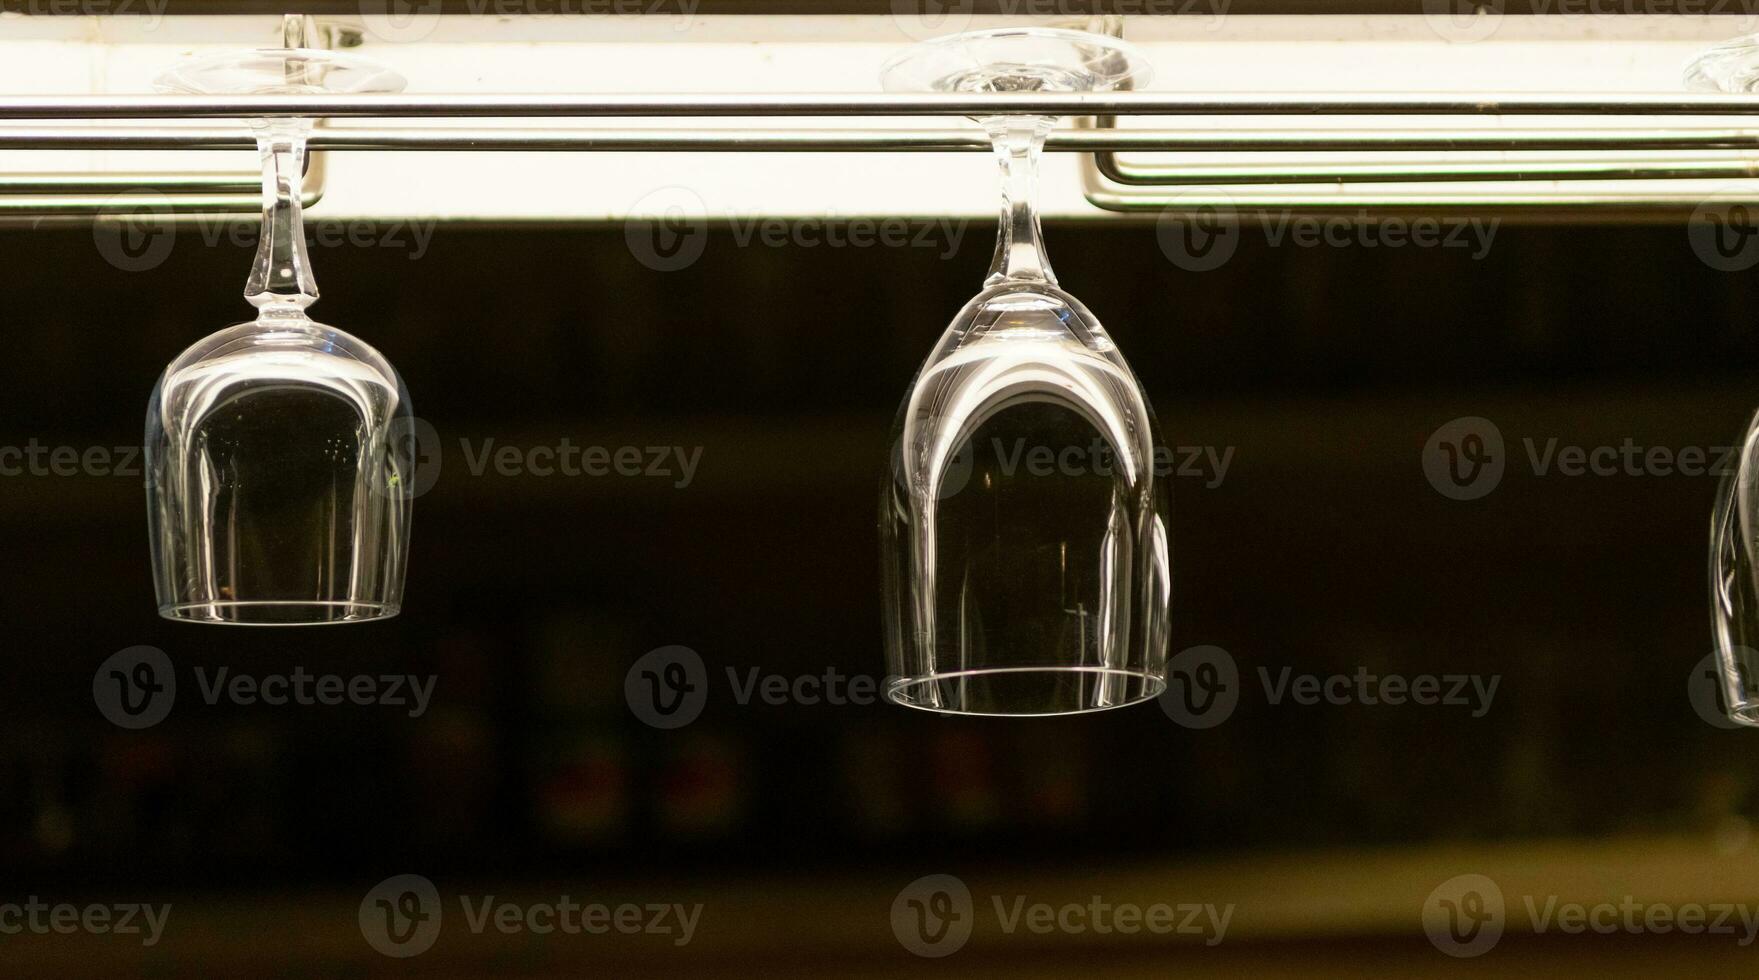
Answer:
(1023, 529)
(1729, 66)
(1733, 66)
(278, 451)
(1734, 581)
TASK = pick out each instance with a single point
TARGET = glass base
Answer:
(1018, 59)
(1732, 66)
(1026, 692)
(280, 71)
(289, 613)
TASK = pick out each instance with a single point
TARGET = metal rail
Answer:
(75, 195)
(743, 140)
(1505, 186)
(1631, 137)
(766, 104)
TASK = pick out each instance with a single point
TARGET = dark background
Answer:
(1325, 548)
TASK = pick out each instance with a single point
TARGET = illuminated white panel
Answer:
(674, 53)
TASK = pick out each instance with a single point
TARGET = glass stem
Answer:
(281, 282)
(1018, 142)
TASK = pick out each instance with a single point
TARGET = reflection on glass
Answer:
(279, 450)
(1734, 581)
(1023, 527)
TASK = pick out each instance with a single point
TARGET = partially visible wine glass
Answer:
(1734, 581)
(1733, 66)
(1024, 539)
(279, 450)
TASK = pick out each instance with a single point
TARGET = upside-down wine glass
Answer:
(1734, 582)
(278, 450)
(1733, 66)
(1024, 540)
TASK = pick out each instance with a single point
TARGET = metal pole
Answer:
(1111, 104)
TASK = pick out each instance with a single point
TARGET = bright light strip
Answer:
(1205, 53)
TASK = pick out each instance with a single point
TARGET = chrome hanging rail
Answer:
(1429, 162)
(73, 195)
(730, 140)
(1693, 136)
(721, 105)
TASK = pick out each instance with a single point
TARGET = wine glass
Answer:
(1734, 581)
(1024, 542)
(278, 451)
(1733, 66)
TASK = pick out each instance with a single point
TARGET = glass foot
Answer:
(279, 613)
(1732, 66)
(1026, 692)
(1018, 59)
(280, 71)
